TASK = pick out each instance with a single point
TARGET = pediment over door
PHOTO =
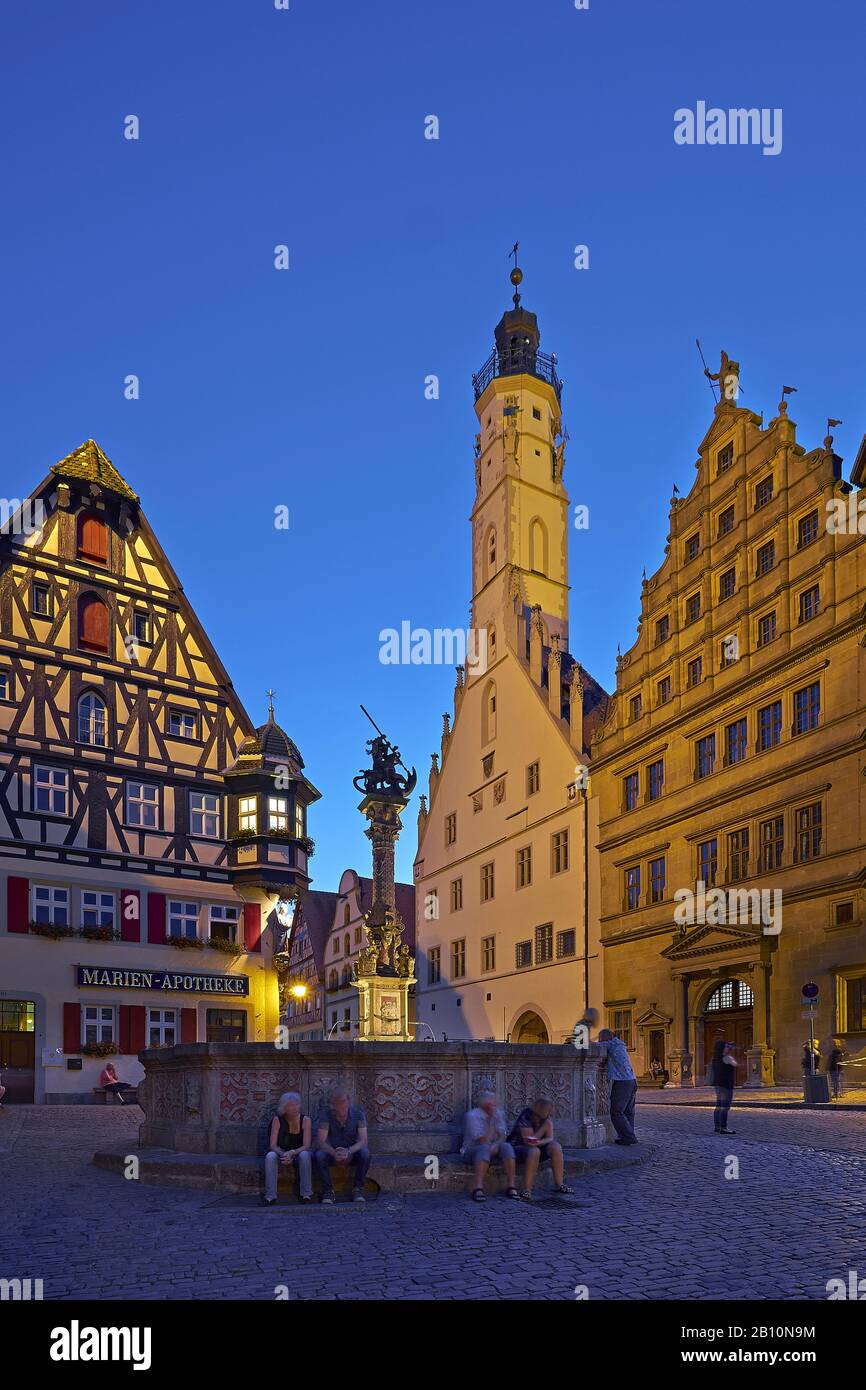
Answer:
(705, 940)
(652, 1018)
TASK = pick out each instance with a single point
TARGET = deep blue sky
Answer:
(305, 387)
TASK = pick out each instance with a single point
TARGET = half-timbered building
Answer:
(147, 830)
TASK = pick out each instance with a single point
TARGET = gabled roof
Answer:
(90, 464)
(316, 913)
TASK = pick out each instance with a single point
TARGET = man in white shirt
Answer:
(484, 1131)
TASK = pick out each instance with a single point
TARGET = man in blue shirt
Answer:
(623, 1086)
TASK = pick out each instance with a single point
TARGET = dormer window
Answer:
(92, 538)
(92, 623)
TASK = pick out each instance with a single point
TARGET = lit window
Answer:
(248, 816)
(142, 805)
(204, 815)
(278, 813)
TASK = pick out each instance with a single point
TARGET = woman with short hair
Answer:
(290, 1141)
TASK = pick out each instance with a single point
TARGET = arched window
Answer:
(733, 994)
(488, 712)
(538, 546)
(347, 945)
(491, 643)
(92, 623)
(333, 980)
(92, 721)
(347, 915)
(490, 553)
(92, 538)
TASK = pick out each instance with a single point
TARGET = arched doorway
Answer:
(529, 1028)
(728, 1018)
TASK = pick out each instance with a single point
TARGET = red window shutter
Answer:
(92, 623)
(71, 1027)
(92, 538)
(137, 1022)
(123, 1039)
(130, 915)
(156, 919)
(187, 1025)
(17, 903)
(252, 926)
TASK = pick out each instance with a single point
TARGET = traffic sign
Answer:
(810, 991)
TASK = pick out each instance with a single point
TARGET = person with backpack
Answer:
(723, 1075)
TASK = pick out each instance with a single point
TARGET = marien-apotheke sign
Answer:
(173, 981)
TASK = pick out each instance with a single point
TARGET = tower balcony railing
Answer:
(540, 364)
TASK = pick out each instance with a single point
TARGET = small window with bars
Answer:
(544, 943)
(523, 954)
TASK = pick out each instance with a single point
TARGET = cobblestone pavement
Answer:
(672, 1228)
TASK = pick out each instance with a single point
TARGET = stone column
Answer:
(384, 969)
(760, 1056)
(681, 1057)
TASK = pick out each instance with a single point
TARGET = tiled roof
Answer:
(89, 463)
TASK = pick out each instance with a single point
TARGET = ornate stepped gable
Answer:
(90, 605)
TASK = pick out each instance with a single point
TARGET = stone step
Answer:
(388, 1172)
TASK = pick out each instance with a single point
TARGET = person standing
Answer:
(723, 1075)
(835, 1062)
(623, 1087)
(290, 1141)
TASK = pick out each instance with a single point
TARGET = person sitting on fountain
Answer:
(341, 1135)
(533, 1143)
(289, 1141)
(484, 1140)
